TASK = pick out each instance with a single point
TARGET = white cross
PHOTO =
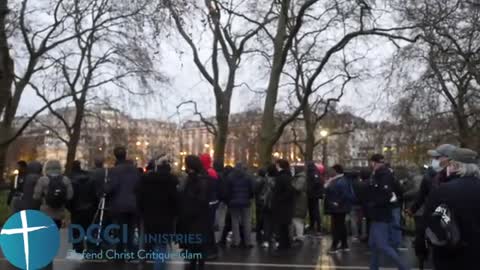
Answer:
(24, 230)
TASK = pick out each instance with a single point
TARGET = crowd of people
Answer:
(211, 200)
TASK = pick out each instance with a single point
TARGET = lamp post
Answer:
(324, 135)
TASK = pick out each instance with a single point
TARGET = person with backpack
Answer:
(452, 214)
(379, 208)
(315, 191)
(82, 206)
(54, 191)
(121, 188)
(338, 202)
(434, 176)
(240, 194)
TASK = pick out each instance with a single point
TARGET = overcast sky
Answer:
(186, 83)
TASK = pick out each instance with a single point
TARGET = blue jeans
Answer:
(379, 244)
(395, 234)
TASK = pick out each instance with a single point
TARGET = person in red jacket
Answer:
(207, 164)
(212, 251)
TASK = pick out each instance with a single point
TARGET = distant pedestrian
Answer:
(283, 203)
(82, 206)
(241, 193)
(158, 204)
(315, 192)
(299, 184)
(259, 186)
(55, 191)
(195, 211)
(338, 202)
(123, 181)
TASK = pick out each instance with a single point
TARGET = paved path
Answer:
(312, 255)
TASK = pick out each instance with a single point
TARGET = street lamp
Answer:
(138, 143)
(207, 145)
(276, 154)
(324, 134)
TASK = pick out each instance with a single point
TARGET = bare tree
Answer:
(450, 55)
(293, 15)
(103, 56)
(229, 45)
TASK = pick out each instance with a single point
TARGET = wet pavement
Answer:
(311, 255)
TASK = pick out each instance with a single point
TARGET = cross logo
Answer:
(29, 240)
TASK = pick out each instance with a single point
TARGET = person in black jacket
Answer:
(315, 192)
(461, 195)
(240, 194)
(194, 218)
(16, 187)
(157, 201)
(83, 205)
(435, 176)
(283, 203)
(380, 199)
(34, 172)
(121, 189)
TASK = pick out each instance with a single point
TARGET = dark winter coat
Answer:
(426, 187)
(338, 196)
(121, 187)
(301, 201)
(16, 192)
(462, 196)
(98, 176)
(84, 192)
(157, 200)
(283, 198)
(315, 185)
(195, 209)
(34, 172)
(240, 188)
(380, 190)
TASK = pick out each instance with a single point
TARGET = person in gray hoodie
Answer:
(34, 172)
(53, 171)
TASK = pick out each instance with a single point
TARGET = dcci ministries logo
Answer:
(29, 240)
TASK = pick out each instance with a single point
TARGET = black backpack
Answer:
(442, 228)
(56, 193)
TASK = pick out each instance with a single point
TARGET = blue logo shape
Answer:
(30, 240)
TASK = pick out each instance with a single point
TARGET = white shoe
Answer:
(74, 256)
(265, 245)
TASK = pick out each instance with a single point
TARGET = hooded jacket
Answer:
(207, 165)
(52, 168)
(34, 172)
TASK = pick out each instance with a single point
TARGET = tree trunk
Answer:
(74, 138)
(221, 138)
(268, 128)
(3, 161)
(6, 62)
(309, 134)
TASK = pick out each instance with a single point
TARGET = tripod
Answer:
(101, 211)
